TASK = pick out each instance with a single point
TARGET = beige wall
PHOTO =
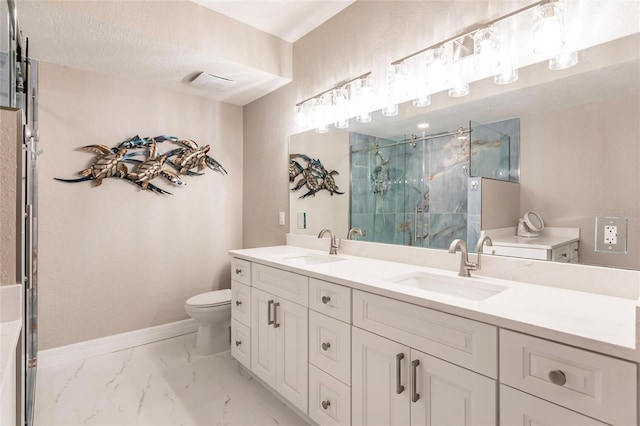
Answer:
(10, 138)
(114, 258)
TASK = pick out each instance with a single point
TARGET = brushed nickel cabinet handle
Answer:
(238, 271)
(399, 386)
(557, 377)
(415, 396)
(238, 302)
(326, 299)
(326, 404)
(326, 346)
(275, 315)
(269, 320)
(238, 342)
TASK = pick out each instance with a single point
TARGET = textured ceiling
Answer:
(288, 19)
(162, 43)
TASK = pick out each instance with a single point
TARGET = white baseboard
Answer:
(117, 342)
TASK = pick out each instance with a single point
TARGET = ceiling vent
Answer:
(213, 83)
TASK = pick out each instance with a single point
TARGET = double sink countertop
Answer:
(596, 322)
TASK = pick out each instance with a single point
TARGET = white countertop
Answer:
(549, 238)
(596, 322)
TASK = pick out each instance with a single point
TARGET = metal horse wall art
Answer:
(112, 162)
(314, 175)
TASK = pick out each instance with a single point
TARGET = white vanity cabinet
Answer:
(241, 311)
(592, 384)
(399, 375)
(329, 353)
(279, 330)
(397, 385)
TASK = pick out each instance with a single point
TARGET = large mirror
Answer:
(563, 144)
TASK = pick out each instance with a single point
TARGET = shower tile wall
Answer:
(389, 182)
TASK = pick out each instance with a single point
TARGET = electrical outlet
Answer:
(610, 234)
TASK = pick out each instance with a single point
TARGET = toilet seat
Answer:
(210, 299)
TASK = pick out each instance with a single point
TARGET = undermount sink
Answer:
(466, 288)
(312, 259)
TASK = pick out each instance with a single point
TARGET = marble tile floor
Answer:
(161, 383)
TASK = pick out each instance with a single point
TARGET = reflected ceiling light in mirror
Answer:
(486, 47)
(548, 28)
(320, 114)
(563, 61)
(396, 88)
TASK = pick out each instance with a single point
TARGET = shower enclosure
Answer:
(18, 91)
(412, 190)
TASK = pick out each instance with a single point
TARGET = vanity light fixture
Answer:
(486, 47)
(548, 28)
(336, 105)
(563, 61)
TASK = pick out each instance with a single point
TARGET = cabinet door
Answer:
(263, 337)
(445, 394)
(376, 397)
(521, 409)
(291, 323)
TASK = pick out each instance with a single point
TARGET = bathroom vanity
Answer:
(354, 340)
(555, 244)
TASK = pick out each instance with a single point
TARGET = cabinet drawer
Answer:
(599, 386)
(330, 299)
(562, 253)
(525, 252)
(241, 271)
(462, 341)
(329, 399)
(241, 303)
(241, 343)
(330, 346)
(287, 285)
(521, 409)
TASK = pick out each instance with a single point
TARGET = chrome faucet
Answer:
(465, 265)
(479, 248)
(356, 230)
(335, 243)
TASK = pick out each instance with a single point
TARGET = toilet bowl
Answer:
(212, 311)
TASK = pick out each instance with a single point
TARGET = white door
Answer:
(263, 336)
(380, 386)
(292, 352)
(444, 394)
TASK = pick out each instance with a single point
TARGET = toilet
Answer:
(212, 310)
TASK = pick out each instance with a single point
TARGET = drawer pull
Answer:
(269, 320)
(275, 315)
(326, 404)
(238, 302)
(238, 271)
(326, 299)
(415, 396)
(399, 386)
(564, 255)
(326, 346)
(557, 377)
(238, 342)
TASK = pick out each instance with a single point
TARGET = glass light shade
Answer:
(459, 90)
(363, 99)
(486, 47)
(300, 117)
(341, 107)
(390, 110)
(436, 66)
(548, 28)
(422, 101)
(397, 82)
(323, 128)
(364, 117)
(563, 61)
(507, 71)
